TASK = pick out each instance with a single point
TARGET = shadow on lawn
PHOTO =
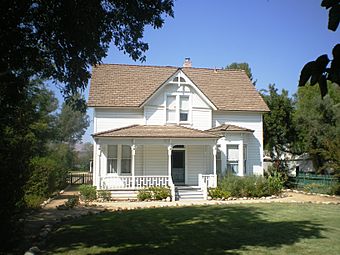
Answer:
(188, 230)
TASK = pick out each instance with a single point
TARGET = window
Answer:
(126, 159)
(245, 158)
(171, 109)
(232, 159)
(183, 108)
(218, 162)
(112, 159)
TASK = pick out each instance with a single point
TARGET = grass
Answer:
(230, 229)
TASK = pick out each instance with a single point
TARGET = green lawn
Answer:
(230, 229)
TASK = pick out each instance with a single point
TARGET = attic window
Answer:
(181, 79)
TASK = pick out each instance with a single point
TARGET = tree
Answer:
(71, 124)
(318, 124)
(317, 71)
(243, 66)
(57, 40)
(278, 127)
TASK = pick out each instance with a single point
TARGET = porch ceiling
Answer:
(156, 131)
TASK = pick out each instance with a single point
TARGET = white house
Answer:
(173, 126)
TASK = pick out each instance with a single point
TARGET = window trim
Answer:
(178, 95)
(119, 160)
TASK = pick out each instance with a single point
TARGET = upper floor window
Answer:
(177, 108)
(171, 109)
(184, 108)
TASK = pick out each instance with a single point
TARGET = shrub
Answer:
(42, 181)
(33, 201)
(249, 186)
(154, 193)
(144, 194)
(72, 202)
(275, 183)
(105, 195)
(218, 193)
(87, 192)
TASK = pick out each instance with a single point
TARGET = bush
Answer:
(218, 193)
(154, 193)
(42, 181)
(144, 194)
(88, 192)
(33, 201)
(72, 202)
(335, 189)
(105, 195)
(249, 186)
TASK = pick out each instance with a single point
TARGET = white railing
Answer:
(133, 182)
(210, 180)
(206, 181)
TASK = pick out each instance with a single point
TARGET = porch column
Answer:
(169, 160)
(97, 171)
(133, 153)
(214, 165)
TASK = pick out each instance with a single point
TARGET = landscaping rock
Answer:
(168, 199)
(34, 249)
(29, 253)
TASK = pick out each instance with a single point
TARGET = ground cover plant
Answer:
(229, 229)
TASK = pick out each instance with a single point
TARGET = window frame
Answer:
(178, 110)
(119, 159)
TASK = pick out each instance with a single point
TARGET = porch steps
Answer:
(188, 193)
(124, 194)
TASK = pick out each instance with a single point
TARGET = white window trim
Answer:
(119, 163)
(178, 95)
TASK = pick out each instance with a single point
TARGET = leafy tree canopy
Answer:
(243, 66)
(279, 131)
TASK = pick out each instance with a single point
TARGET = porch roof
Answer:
(156, 131)
(229, 128)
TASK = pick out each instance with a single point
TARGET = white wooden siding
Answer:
(106, 119)
(155, 160)
(199, 161)
(254, 140)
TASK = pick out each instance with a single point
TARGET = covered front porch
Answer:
(136, 157)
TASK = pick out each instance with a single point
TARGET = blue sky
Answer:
(275, 37)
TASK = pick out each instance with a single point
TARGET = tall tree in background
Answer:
(318, 124)
(71, 124)
(278, 126)
(243, 66)
(57, 40)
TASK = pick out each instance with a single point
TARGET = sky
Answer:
(275, 37)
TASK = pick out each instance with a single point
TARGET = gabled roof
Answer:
(155, 131)
(117, 85)
(228, 128)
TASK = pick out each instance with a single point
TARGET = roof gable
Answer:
(116, 85)
(179, 74)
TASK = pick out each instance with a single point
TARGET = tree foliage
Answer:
(317, 71)
(71, 124)
(243, 66)
(57, 40)
(318, 124)
(278, 126)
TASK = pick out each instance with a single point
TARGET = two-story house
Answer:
(173, 126)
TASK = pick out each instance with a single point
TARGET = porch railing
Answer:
(210, 180)
(133, 182)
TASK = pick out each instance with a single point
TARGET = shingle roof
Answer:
(115, 85)
(156, 131)
(228, 128)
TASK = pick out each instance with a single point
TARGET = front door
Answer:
(178, 167)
